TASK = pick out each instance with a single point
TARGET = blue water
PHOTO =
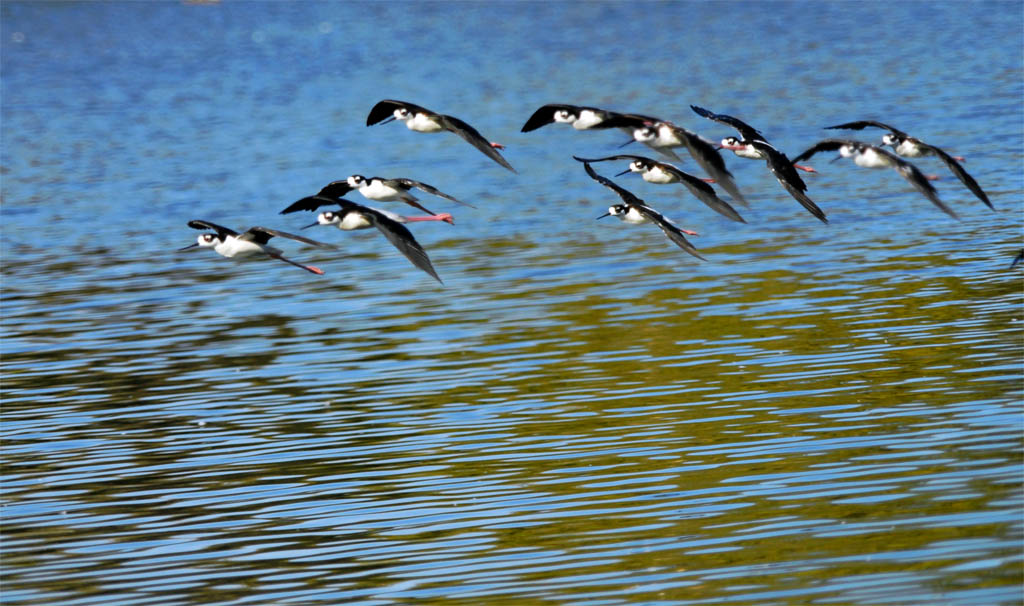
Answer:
(581, 413)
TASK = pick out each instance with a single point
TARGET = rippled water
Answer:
(581, 413)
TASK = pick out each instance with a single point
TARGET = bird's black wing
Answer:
(787, 175)
(618, 157)
(916, 178)
(546, 115)
(430, 189)
(402, 239)
(669, 228)
(475, 139)
(861, 124)
(704, 192)
(312, 203)
(626, 195)
(335, 189)
(708, 158)
(386, 108)
(220, 229)
(823, 146)
(263, 234)
(958, 170)
(746, 131)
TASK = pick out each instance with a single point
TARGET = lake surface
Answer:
(581, 413)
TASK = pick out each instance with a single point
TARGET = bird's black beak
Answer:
(626, 143)
(313, 224)
(625, 172)
(836, 159)
(604, 215)
(196, 245)
(386, 120)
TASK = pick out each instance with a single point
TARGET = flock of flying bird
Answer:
(661, 135)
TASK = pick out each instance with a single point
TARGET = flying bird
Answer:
(580, 117)
(756, 146)
(351, 216)
(654, 171)
(870, 156)
(251, 243)
(422, 120)
(633, 210)
(663, 136)
(910, 147)
(386, 190)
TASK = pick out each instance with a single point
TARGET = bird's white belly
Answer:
(354, 221)
(633, 216)
(378, 191)
(666, 138)
(910, 150)
(424, 124)
(587, 119)
(240, 249)
(871, 159)
(657, 175)
(749, 153)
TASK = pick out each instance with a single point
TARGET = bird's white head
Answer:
(645, 134)
(328, 218)
(615, 211)
(890, 139)
(204, 241)
(565, 116)
(639, 166)
(403, 114)
(356, 180)
(207, 240)
(848, 150)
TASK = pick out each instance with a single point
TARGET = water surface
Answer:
(581, 413)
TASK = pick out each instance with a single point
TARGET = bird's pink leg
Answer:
(932, 177)
(497, 145)
(805, 168)
(446, 217)
(309, 268)
(688, 232)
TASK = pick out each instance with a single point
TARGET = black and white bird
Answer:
(740, 145)
(910, 147)
(663, 136)
(580, 117)
(387, 190)
(252, 243)
(422, 120)
(653, 171)
(754, 145)
(633, 210)
(352, 216)
(870, 156)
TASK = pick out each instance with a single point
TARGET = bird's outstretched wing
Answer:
(862, 124)
(385, 109)
(474, 138)
(746, 131)
(220, 229)
(263, 234)
(430, 189)
(670, 229)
